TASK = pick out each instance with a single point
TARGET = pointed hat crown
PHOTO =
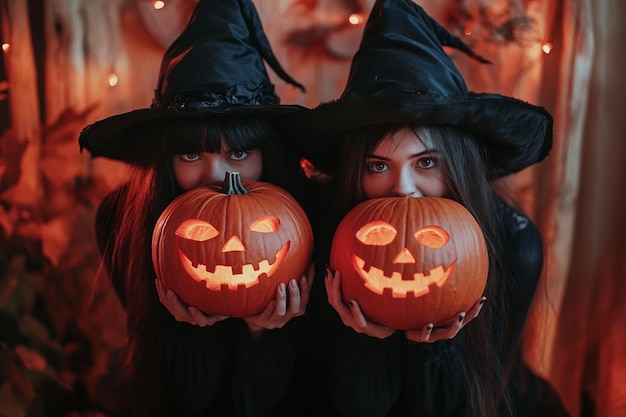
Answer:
(216, 65)
(401, 74)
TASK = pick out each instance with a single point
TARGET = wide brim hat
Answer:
(401, 74)
(215, 66)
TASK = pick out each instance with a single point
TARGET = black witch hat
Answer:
(401, 74)
(215, 66)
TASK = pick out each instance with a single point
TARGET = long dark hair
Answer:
(150, 188)
(462, 161)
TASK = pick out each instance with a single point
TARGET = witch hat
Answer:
(401, 74)
(215, 66)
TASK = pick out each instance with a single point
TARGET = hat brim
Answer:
(515, 133)
(114, 137)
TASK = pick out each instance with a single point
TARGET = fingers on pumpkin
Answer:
(294, 297)
(198, 317)
(281, 300)
(305, 288)
(357, 314)
(475, 311)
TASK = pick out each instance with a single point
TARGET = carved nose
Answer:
(404, 257)
(234, 244)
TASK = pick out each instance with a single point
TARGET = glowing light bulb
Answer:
(546, 48)
(112, 79)
(158, 4)
(355, 19)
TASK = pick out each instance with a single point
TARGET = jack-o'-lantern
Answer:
(225, 249)
(410, 261)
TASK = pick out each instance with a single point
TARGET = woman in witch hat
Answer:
(407, 125)
(214, 110)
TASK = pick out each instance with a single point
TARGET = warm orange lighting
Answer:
(469, 28)
(377, 282)
(266, 224)
(158, 4)
(223, 275)
(377, 233)
(355, 19)
(432, 237)
(197, 230)
(113, 79)
(311, 171)
(5, 47)
(546, 47)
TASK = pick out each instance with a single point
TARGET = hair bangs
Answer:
(212, 133)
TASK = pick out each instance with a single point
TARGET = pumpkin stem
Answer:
(233, 185)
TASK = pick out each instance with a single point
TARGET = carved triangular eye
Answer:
(432, 236)
(197, 230)
(266, 224)
(376, 233)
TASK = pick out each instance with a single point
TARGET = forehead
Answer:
(404, 140)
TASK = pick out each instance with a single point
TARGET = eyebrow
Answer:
(413, 156)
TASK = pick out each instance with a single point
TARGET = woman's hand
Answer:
(351, 314)
(431, 334)
(182, 312)
(280, 310)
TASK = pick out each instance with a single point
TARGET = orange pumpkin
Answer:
(410, 261)
(225, 250)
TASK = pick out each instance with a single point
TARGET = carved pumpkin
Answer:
(410, 261)
(224, 250)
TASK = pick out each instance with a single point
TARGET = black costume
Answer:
(339, 372)
(218, 370)
(215, 67)
(372, 376)
(402, 76)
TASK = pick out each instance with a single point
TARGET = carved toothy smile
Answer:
(376, 280)
(223, 274)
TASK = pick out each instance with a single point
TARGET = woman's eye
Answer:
(189, 157)
(376, 167)
(426, 163)
(238, 155)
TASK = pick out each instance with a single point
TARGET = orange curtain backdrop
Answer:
(585, 349)
(576, 333)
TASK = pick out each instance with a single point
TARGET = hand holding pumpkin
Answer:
(351, 315)
(282, 309)
(431, 334)
(412, 264)
(226, 250)
(182, 312)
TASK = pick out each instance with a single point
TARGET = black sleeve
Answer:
(396, 378)
(262, 369)
(366, 378)
(434, 379)
(194, 363)
(523, 267)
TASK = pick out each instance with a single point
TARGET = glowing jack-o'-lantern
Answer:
(225, 250)
(410, 261)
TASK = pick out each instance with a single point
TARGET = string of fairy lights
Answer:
(505, 32)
